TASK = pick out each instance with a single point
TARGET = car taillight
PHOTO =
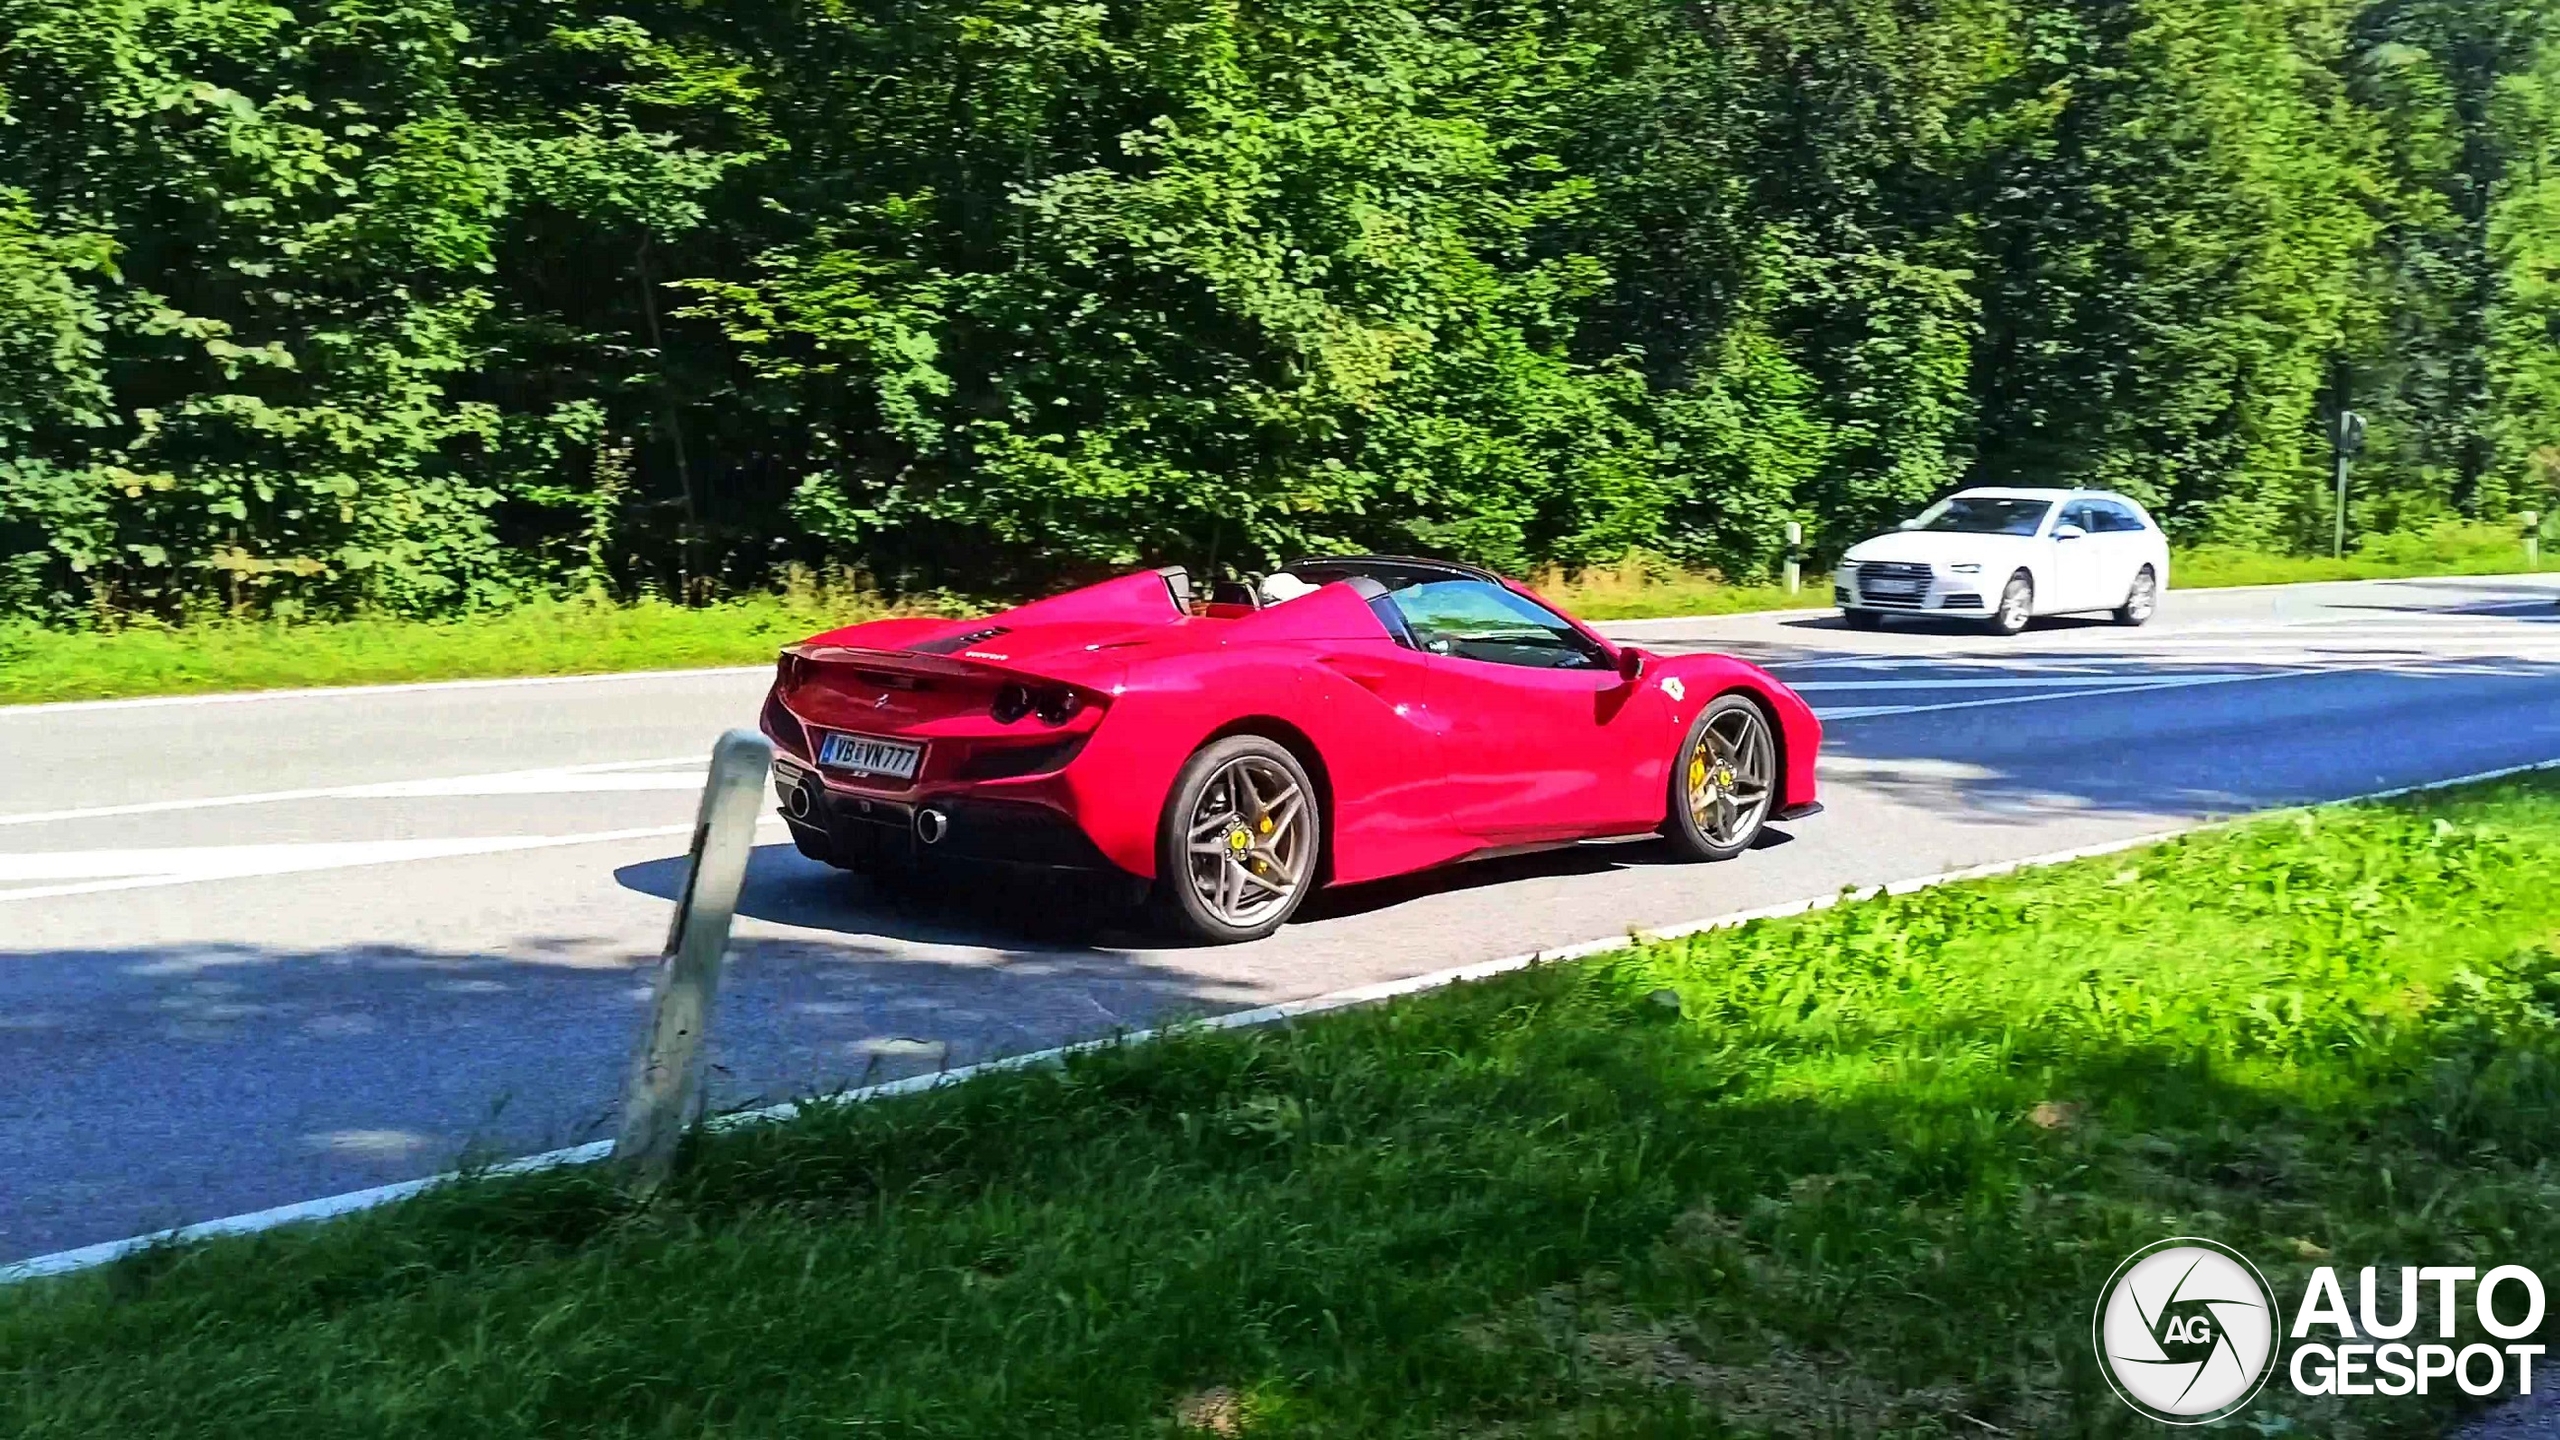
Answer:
(1054, 704)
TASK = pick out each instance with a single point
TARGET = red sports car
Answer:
(1341, 720)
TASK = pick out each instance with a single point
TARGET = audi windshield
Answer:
(1984, 515)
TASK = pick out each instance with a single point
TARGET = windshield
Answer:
(1984, 515)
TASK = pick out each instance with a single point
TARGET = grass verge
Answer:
(572, 638)
(1859, 1172)
(543, 638)
(2445, 549)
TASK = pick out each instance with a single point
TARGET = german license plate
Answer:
(870, 755)
(1897, 589)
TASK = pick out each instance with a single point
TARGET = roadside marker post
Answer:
(664, 1096)
(1795, 556)
(2346, 436)
(2532, 539)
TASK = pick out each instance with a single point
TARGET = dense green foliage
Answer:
(420, 304)
(1865, 1178)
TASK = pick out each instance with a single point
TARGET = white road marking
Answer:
(2225, 649)
(1860, 712)
(24, 876)
(242, 697)
(610, 776)
(2012, 682)
(89, 872)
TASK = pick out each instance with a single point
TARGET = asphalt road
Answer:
(261, 949)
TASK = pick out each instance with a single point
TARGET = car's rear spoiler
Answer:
(806, 661)
(903, 662)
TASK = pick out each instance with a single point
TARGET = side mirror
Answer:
(2068, 532)
(1631, 664)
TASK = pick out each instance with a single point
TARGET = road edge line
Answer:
(63, 1262)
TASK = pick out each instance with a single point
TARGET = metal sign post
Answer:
(664, 1095)
(2346, 437)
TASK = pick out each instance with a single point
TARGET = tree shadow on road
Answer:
(161, 1085)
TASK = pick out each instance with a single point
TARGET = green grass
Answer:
(569, 638)
(1864, 1177)
(546, 638)
(2446, 549)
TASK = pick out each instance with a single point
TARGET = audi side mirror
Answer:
(2068, 532)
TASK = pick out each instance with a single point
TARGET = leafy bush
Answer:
(426, 307)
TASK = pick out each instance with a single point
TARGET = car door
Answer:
(2129, 546)
(2078, 565)
(1544, 737)
(1388, 738)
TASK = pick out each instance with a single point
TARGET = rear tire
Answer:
(2141, 600)
(2017, 605)
(1724, 781)
(1863, 619)
(1239, 842)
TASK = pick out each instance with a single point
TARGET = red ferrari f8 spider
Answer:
(1342, 720)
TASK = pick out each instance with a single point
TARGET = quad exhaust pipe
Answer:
(931, 825)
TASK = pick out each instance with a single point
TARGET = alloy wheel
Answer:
(1249, 842)
(2017, 600)
(2146, 594)
(1731, 774)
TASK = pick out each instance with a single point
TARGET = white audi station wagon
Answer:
(2004, 556)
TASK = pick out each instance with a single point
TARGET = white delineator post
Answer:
(664, 1095)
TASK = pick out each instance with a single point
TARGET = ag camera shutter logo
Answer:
(2186, 1330)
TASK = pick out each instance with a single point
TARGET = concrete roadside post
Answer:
(1795, 557)
(664, 1095)
(2346, 435)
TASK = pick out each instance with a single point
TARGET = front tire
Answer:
(1237, 848)
(1724, 781)
(2017, 605)
(1864, 619)
(2141, 600)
